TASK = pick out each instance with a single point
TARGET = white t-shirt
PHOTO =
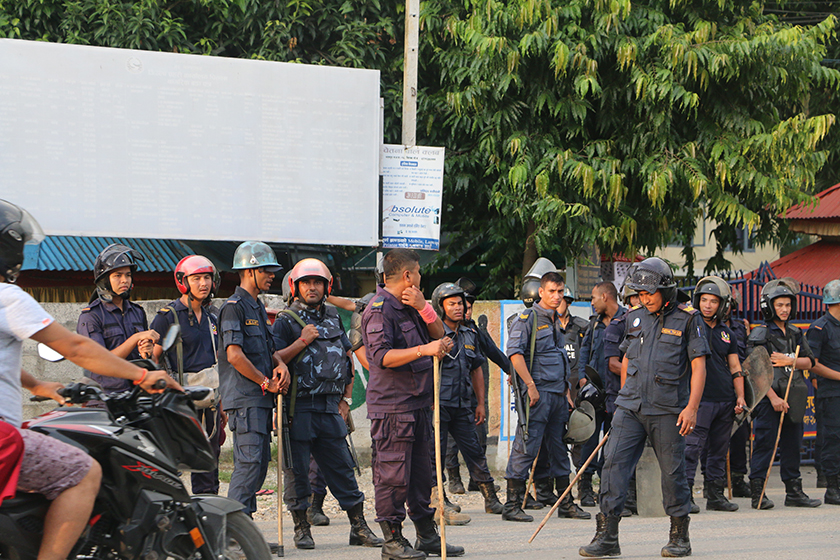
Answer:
(20, 318)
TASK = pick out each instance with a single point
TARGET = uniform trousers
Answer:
(316, 478)
(208, 482)
(459, 422)
(402, 465)
(738, 449)
(829, 408)
(547, 423)
(452, 447)
(602, 419)
(710, 434)
(766, 426)
(251, 428)
(624, 447)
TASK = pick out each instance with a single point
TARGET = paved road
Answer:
(780, 533)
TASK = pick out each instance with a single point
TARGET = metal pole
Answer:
(412, 41)
(438, 468)
(280, 552)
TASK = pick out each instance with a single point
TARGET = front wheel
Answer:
(244, 539)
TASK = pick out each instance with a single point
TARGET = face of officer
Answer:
(120, 280)
(634, 300)
(411, 275)
(467, 311)
(563, 307)
(453, 309)
(263, 279)
(311, 290)
(782, 306)
(551, 295)
(200, 285)
(652, 302)
(709, 304)
(599, 301)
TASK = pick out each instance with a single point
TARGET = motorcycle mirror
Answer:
(48, 353)
(171, 337)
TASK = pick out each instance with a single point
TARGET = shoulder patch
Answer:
(163, 310)
(819, 328)
(377, 303)
(639, 306)
(85, 309)
(724, 336)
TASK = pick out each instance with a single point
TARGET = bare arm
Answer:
(341, 302)
(615, 365)
(688, 417)
(48, 389)
(518, 362)
(477, 378)
(624, 363)
(402, 356)
(737, 382)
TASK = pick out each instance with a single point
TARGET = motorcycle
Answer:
(143, 510)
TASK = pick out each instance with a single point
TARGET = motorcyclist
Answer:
(63, 473)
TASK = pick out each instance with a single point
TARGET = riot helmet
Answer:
(195, 264)
(310, 268)
(653, 275)
(627, 293)
(716, 286)
(581, 424)
(17, 228)
(255, 254)
(530, 292)
(287, 290)
(774, 289)
(469, 288)
(593, 395)
(831, 293)
(568, 294)
(111, 258)
(540, 268)
(444, 291)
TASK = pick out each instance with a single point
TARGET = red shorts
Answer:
(49, 466)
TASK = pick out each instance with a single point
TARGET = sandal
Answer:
(265, 492)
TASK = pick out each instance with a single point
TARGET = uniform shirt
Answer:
(573, 335)
(322, 368)
(550, 363)
(659, 348)
(774, 340)
(388, 324)
(244, 322)
(613, 335)
(719, 380)
(20, 318)
(199, 339)
(740, 331)
(110, 326)
(456, 388)
(592, 349)
(824, 341)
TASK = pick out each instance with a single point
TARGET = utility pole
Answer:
(412, 42)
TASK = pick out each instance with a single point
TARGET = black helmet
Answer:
(715, 286)
(652, 275)
(443, 291)
(112, 257)
(530, 292)
(469, 288)
(782, 287)
(17, 228)
(593, 395)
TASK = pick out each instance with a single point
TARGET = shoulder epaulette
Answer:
(164, 309)
(639, 306)
(525, 314)
(758, 334)
(85, 309)
(687, 308)
(376, 303)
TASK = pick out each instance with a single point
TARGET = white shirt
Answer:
(20, 318)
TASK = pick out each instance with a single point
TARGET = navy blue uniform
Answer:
(765, 419)
(244, 323)
(613, 336)
(659, 349)
(717, 408)
(199, 338)
(399, 404)
(549, 369)
(321, 372)
(110, 326)
(824, 340)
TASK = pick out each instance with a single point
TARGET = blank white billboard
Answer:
(112, 142)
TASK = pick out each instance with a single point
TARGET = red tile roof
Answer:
(816, 264)
(827, 209)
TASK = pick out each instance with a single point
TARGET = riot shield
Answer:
(758, 376)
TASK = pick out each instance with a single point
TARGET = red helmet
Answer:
(195, 264)
(309, 268)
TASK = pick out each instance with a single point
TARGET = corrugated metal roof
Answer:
(61, 252)
(828, 207)
(815, 265)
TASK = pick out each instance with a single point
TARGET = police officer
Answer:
(780, 337)
(544, 371)
(197, 280)
(317, 353)
(398, 328)
(249, 372)
(663, 374)
(460, 377)
(605, 304)
(824, 340)
(739, 439)
(112, 319)
(723, 396)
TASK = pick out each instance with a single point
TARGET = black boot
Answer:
(303, 536)
(360, 533)
(512, 510)
(455, 484)
(678, 543)
(491, 501)
(694, 507)
(568, 508)
(740, 489)
(531, 503)
(822, 480)
(605, 542)
(585, 493)
(449, 504)
(795, 497)
(756, 484)
(315, 514)
(717, 500)
(832, 490)
(428, 540)
(544, 488)
(396, 546)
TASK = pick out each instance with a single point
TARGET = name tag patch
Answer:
(672, 332)
(543, 327)
(250, 322)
